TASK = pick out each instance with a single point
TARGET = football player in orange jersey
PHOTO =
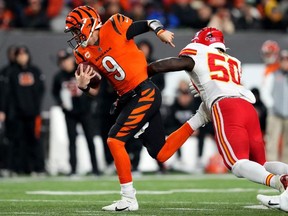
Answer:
(111, 49)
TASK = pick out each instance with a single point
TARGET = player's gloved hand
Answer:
(201, 117)
(204, 113)
(166, 37)
(193, 90)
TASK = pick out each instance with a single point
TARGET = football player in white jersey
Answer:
(216, 76)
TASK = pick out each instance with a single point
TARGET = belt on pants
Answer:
(134, 91)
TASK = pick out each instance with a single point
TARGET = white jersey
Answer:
(215, 74)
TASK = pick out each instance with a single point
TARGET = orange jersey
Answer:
(116, 58)
(271, 68)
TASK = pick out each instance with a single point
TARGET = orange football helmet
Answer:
(82, 22)
(210, 37)
(270, 52)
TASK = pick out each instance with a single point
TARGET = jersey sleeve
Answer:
(120, 23)
(78, 57)
(189, 50)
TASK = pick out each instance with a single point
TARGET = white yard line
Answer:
(144, 192)
(256, 207)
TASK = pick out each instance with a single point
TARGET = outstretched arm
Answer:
(171, 64)
(142, 26)
(137, 28)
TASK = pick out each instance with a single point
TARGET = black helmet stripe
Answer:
(79, 14)
(69, 22)
(91, 9)
(75, 19)
(90, 16)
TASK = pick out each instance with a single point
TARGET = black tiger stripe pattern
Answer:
(136, 116)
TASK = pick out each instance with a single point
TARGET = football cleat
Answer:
(282, 183)
(276, 202)
(125, 204)
(269, 201)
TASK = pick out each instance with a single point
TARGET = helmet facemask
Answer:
(77, 38)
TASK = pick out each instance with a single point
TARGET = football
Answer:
(95, 81)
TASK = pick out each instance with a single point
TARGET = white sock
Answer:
(127, 190)
(252, 171)
(276, 167)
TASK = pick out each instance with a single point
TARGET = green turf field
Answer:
(157, 195)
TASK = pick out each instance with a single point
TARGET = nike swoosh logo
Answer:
(121, 209)
(272, 204)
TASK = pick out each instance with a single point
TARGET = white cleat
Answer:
(125, 204)
(269, 201)
(141, 131)
(276, 202)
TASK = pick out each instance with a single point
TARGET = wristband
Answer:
(85, 89)
(155, 25)
(160, 31)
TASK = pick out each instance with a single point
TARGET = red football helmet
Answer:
(210, 37)
(81, 22)
(270, 52)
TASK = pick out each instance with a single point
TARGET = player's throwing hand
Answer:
(166, 36)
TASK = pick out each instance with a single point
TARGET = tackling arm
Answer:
(170, 64)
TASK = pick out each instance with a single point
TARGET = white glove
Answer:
(204, 112)
(193, 90)
(201, 117)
